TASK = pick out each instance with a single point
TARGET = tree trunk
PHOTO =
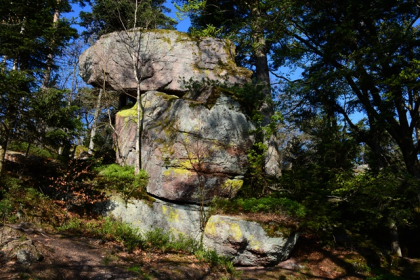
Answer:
(5, 137)
(272, 158)
(95, 120)
(395, 243)
(47, 76)
(3, 148)
(138, 164)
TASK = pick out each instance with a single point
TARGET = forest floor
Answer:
(77, 257)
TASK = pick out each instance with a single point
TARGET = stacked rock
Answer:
(194, 138)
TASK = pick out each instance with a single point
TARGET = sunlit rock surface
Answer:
(164, 58)
(194, 149)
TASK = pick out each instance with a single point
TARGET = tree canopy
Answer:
(109, 16)
(358, 57)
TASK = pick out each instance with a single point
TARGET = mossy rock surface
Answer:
(248, 242)
(191, 153)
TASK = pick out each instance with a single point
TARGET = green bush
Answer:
(123, 180)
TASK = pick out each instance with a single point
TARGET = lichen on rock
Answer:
(188, 150)
(247, 242)
(167, 56)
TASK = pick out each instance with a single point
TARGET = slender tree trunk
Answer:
(137, 64)
(395, 243)
(3, 148)
(95, 120)
(47, 75)
(3, 144)
(138, 163)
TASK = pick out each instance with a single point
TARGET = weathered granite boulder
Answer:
(150, 214)
(166, 57)
(193, 148)
(247, 243)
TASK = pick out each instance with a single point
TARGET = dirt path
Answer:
(76, 257)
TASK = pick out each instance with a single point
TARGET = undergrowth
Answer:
(33, 150)
(156, 239)
(273, 205)
(122, 179)
(19, 202)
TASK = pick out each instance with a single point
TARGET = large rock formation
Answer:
(166, 59)
(192, 150)
(194, 140)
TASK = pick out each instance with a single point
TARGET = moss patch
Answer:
(233, 185)
(273, 229)
(130, 112)
(166, 97)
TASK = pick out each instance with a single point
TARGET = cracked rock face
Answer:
(193, 148)
(165, 58)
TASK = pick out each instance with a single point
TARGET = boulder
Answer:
(150, 214)
(194, 149)
(166, 58)
(249, 243)
(15, 246)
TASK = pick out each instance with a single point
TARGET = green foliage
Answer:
(281, 205)
(167, 241)
(372, 77)
(109, 16)
(21, 202)
(239, 21)
(379, 198)
(385, 276)
(33, 150)
(210, 256)
(137, 269)
(210, 31)
(123, 180)
(5, 208)
(106, 229)
(28, 34)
